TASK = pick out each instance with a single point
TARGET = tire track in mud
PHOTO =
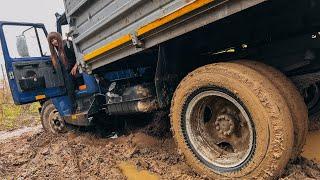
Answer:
(85, 155)
(78, 155)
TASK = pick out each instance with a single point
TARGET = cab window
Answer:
(26, 41)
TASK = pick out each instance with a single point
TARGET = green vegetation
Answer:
(13, 116)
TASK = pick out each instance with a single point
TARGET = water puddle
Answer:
(132, 173)
(312, 148)
(5, 135)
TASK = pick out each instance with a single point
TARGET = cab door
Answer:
(28, 64)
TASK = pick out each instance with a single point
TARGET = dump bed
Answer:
(105, 31)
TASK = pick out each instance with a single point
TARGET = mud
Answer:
(311, 149)
(147, 152)
(7, 135)
(302, 169)
(132, 173)
(82, 156)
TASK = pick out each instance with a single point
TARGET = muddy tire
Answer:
(248, 131)
(295, 101)
(51, 119)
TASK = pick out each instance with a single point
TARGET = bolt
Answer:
(217, 128)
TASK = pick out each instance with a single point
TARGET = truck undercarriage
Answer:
(280, 34)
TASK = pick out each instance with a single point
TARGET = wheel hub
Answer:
(225, 124)
(56, 122)
(219, 129)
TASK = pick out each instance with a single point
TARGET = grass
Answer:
(16, 116)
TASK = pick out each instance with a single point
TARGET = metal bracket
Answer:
(87, 69)
(135, 41)
(11, 75)
(73, 30)
(161, 76)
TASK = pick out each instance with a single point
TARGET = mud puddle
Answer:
(132, 173)
(6, 135)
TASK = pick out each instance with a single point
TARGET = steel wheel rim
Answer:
(55, 121)
(197, 130)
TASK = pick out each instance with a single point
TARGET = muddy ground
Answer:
(91, 155)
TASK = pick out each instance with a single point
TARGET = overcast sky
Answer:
(36, 11)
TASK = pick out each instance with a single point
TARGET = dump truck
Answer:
(239, 77)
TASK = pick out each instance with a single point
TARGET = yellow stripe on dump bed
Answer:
(107, 47)
(170, 17)
(147, 28)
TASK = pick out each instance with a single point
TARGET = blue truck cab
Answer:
(32, 78)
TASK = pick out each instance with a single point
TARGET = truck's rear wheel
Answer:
(230, 121)
(51, 120)
(295, 101)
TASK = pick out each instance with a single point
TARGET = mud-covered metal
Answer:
(80, 119)
(133, 99)
(219, 129)
(56, 122)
